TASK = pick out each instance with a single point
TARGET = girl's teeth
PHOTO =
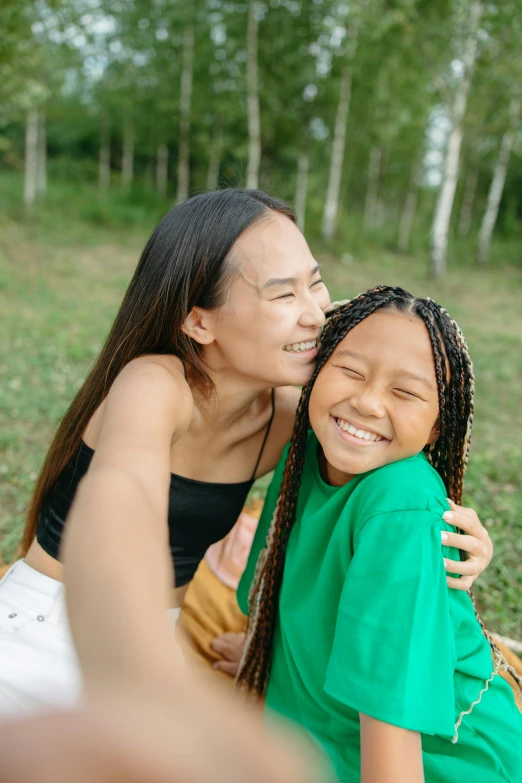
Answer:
(362, 434)
(296, 347)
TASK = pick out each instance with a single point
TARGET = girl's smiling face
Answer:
(376, 399)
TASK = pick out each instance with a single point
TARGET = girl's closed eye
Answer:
(410, 394)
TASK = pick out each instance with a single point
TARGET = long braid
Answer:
(448, 455)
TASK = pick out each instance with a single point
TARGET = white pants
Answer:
(38, 664)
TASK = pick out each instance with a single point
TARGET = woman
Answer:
(192, 398)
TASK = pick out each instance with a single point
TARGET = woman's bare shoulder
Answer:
(150, 393)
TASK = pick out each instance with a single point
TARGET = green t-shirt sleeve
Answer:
(261, 533)
(393, 655)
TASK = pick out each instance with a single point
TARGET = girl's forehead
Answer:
(388, 334)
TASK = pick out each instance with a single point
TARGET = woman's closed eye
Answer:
(291, 293)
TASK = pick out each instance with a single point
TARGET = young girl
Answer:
(352, 630)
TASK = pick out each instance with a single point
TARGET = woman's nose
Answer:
(312, 314)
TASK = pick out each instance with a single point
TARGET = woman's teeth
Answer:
(296, 347)
(362, 434)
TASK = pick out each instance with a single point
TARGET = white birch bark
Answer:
(214, 161)
(372, 189)
(41, 167)
(31, 157)
(301, 186)
(409, 208)
(104, 163)
(162, 165)
(331, 205)
(442, 217)
(497, 187)
(254, 118)
(468, 200)
(127, 160)
(184, 121)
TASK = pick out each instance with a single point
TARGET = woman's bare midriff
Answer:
(38, 559)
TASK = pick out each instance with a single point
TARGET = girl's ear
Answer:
(197, 325)
(435, 432)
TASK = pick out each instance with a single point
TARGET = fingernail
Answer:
(445, 564)
(444, 536)
(448, 516)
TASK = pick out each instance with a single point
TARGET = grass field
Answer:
(61, 279)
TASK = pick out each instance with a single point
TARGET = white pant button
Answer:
(40, 618)
(13, 614)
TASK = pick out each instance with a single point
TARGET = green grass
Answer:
(62, 275)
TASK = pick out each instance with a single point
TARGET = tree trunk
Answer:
(31, 157)
(331, 206)
(127, 161)
(497, 187)
(466, 210)
(371, 201)
(301, 187)
(214, 162)
(184, 122)
(162, 165)
(409, 208)
(41, 173)
(442, 217)
(104, 167)
(254, 120)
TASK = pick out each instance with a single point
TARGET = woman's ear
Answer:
(197, 326)
(435, 432)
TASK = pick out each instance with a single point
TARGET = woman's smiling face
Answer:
(376, 400)
(268, 329)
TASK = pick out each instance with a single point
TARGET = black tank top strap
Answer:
(266, 436)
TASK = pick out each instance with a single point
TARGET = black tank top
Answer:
(200, 513)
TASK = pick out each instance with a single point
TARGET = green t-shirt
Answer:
(367, 624)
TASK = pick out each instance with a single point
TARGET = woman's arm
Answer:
(117, 564)
(476, 543)
(389, 754)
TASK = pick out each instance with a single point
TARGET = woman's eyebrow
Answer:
(287, 280)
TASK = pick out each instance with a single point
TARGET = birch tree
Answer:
(410, 205)
(184, 120)
(215, 154)
(497, 185)
(31, 157)
(162, 163)
(254, 119)
(104, 159)
(442, 216)
(331, 205)
(127, 161)
(41, 166)
(468, 200)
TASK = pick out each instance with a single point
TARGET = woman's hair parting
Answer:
(448, 455)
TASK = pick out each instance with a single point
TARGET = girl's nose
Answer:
(368, 403)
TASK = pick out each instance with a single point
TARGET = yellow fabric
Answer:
(210, 609)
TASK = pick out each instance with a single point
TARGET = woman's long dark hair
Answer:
(186, 263)
(448, 455)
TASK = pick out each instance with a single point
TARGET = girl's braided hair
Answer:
(448, 455)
